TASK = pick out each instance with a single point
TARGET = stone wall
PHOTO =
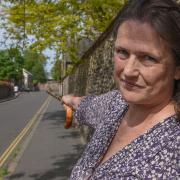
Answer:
(100, 69)
(95, 74)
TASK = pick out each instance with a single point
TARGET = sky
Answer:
(50, 61)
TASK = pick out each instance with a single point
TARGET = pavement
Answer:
(9, 98)
(51, 151)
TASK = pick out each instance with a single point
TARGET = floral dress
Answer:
(153, 155)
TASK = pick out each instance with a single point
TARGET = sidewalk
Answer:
(52, 151)
(10, 98)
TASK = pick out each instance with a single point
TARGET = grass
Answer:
(3, 172)
(14, 155)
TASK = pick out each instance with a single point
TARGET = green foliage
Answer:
(11, 63)
(39, 73)
(59, 24)
(56, 71)
(3, 172)
(34, 63)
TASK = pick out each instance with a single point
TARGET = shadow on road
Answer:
(57, 116)
(61, 169)
(61, 166)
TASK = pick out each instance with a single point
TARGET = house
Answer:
(27, 83)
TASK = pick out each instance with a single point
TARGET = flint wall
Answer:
(95, 74)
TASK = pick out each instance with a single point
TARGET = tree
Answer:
(34, 62)
(11, 63)
(56, 71)
(38, 72)
(59, 24)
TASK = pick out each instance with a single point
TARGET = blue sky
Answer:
(50, 60)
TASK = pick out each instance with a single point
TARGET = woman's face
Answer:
(144, 69)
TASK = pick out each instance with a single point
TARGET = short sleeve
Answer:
(92, 108)
(81, 112)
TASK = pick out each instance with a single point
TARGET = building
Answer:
(27, 83)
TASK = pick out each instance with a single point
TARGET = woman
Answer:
(137, 129)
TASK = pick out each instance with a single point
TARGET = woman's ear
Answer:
(177, 73)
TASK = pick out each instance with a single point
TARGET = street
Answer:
(15, 114)
(51, 151)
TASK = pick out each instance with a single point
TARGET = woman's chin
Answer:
(132, 98)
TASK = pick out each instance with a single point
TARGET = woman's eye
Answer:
(121, 53)
(150, 58)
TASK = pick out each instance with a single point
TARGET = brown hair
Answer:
(164, 17)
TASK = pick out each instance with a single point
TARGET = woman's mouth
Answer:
(130, 84)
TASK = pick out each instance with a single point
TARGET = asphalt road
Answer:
(15, 114)
(52, 150)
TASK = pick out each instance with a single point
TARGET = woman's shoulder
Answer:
(173, 127)
(176, 143)
(110, 97)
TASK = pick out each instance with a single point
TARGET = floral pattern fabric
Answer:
(153, 155)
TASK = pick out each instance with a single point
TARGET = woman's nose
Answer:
(131, 67)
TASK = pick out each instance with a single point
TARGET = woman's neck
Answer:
(141, 114)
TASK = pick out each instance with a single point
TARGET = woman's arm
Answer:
(83, 108)
(72, 101)
(90, 110)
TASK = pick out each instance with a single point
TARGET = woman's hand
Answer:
(72, 101)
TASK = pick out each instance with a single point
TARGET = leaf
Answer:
(59, 25)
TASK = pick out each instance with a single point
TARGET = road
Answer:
(15, 114)
(51, 150)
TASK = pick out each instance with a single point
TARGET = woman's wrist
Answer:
(72, 101)
(76, 101)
